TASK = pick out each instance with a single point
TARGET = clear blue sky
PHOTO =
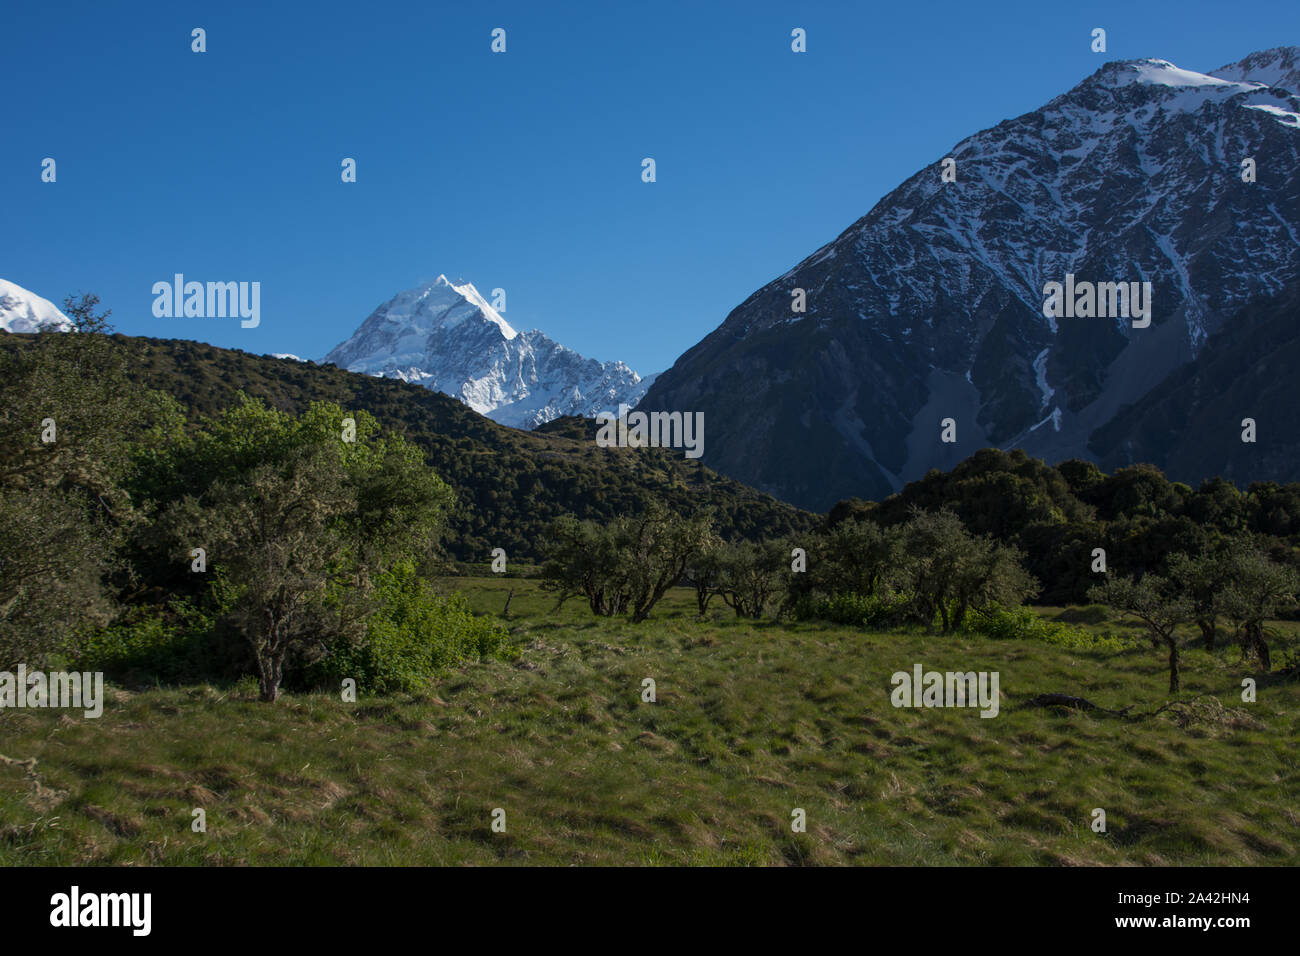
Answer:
(520, 170)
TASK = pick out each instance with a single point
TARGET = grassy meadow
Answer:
(752, 720)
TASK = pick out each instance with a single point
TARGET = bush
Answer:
(853, 609)
(171, 643)
(1021, 623)
(413, 633)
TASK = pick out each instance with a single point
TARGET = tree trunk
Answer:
(1255, 631)
(1174, 681)
(959, 617)
(270, 660)
(269, 677)
(1208, 630)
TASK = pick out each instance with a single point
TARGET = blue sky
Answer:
(519, 170)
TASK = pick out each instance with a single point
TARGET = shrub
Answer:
(853, 609)
(413, 633)
(170, 643)
(1021, 623)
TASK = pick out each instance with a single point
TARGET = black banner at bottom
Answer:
(334, 906)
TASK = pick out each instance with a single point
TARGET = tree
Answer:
(659, 544)
(1258, 588)
(1156, 603)
(1203, 579)
(992, 575)
(296, 521)
(584, 560)
(704, 572)
(852, 558)
(70, 422)
(628, 566)
(948, 571)
(751, 574)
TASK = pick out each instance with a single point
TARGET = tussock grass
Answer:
(753, 719)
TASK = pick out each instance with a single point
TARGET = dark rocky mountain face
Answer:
(1191, 424)
(931, 306)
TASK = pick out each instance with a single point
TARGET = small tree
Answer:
(584, 561)
(947, 570)
(704, 572)
(989, 575)
(853, 557)
(628, 566)
(296, 522)
(751, 575)
(1203, 579)
(1156, 603)
(1259, 587)
(659, 545)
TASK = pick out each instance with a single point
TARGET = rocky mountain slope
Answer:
(932, 305)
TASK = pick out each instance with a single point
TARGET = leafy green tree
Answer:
(1258, 589)
(1137, 491)
(659, 544)
(295, 521)
(853, 557)
(1273, 509)
(584, 560)
(1204, 580)
(751, 575)
(948, 571)
(628, 566)
(704, 572)
(1155, 602)
(70, 422)
(1218, 504)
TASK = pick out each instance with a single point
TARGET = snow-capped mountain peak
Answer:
(1278, 67)
(452, 303)
(932, 306)
(444, 335)
(24, 311)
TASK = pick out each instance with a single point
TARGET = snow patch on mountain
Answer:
(1164, 73)
(1040, 378)
(1287, 117)
(24, 311)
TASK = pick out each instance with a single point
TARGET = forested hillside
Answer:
(510, 484)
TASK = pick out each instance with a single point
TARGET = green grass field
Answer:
(752, 720)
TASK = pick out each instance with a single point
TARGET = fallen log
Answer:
(1074, 703)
